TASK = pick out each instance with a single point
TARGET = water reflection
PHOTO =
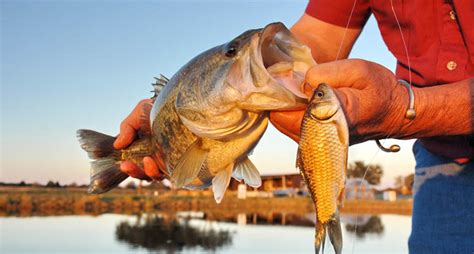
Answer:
(363, 224)
(171, 234)
(174, 232)
(270, 218)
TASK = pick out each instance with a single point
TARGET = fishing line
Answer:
(345, 30)
(403, 40)
(365, 172)
(409, 81)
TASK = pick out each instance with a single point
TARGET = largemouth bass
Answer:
(211, 114)
(322, 159)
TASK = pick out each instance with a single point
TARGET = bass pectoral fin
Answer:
(247, 171)
(189, 165)
(220, 183)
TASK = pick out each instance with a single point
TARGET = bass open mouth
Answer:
(285, 59)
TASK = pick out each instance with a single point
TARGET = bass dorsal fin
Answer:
(158, 85)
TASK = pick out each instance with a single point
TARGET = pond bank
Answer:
(33, 201)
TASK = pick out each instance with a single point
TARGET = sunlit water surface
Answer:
(111, 233)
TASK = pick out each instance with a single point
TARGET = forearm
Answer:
(325, 40)
(442, 110)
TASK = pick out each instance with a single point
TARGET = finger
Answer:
(343, 73)
(130, 125)
(126, 136)
(288, 122)
(134, 118)
(151, 169)
(133, 170)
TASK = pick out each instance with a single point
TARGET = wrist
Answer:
(441, 110)
(395, 118)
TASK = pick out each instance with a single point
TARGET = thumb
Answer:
(338, 74)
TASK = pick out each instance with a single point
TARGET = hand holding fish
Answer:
(128, 131)
(371, 98)
(375, 103)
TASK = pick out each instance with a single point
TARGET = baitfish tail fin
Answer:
(335, 233)
(105, 167)
(320, 236)
(331, 228)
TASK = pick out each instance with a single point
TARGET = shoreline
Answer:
(40, 201)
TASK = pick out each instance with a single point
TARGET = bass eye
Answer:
(231, 50)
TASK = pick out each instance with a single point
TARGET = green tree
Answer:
(409, 181)
(52, 184)
(358, 168)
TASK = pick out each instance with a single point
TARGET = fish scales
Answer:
(208, 117)
(320, 151)
(322, 159)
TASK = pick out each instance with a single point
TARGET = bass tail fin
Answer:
(105, 167)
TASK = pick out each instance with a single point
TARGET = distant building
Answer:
(389, 194)
(293, 185)
(358, 188)
(241, 191)
(273, 185)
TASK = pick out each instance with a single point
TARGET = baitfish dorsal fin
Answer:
(299, 160)
(189, 165)
(247, 171)
(220, 182)
(158, 85)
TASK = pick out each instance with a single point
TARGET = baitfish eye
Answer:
(231, 49)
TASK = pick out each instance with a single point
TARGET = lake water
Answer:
(194, 233)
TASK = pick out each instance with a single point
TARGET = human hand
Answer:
(128, 130)
(371, 98)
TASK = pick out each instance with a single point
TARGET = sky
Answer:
(67, 65)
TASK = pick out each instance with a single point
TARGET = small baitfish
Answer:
(322, 159)
(211, 114)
